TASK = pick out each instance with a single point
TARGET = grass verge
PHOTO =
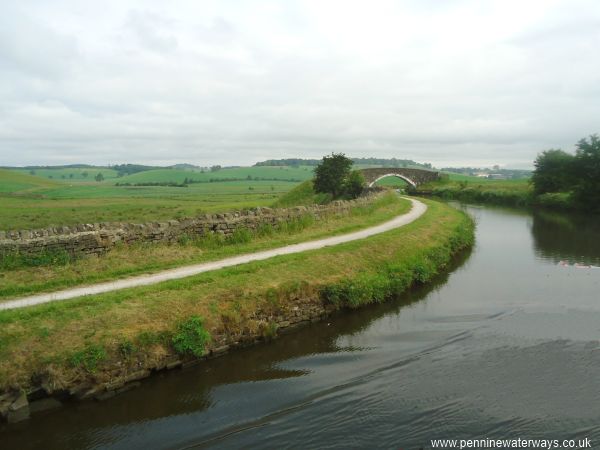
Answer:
(96, 338)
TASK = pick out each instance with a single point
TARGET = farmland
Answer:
(32, 201)
(55, 197)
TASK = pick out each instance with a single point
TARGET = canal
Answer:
(506, 345)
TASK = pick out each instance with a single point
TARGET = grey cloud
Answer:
(30, 48)
(233, 83)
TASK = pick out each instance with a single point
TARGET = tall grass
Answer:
(16, 260)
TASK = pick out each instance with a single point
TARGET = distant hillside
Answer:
(128, 169)
(225, 174)
(68, 166)
(361, 162)
(69, 173)
(185, 166)
(12, 181)
(510, 174)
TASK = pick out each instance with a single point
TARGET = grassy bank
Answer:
(106, 336)
(471, 189)
(303, 194)
(52, 272)
(517, 193)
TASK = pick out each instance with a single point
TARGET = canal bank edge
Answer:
(521, 197)
(103, 372)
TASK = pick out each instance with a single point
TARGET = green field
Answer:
(250, 173)
(28, 201)
(394, 182)
(12, 182)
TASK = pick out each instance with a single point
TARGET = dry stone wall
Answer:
(98, 238)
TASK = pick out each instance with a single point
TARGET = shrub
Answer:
(191, 337)
(354, 184)
(331, 174)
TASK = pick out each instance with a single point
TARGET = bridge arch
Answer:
(414, 177)
(393, 174)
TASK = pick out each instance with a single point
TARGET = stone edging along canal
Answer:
(417, 210)
(302, 309)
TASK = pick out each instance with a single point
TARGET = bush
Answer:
(354, 184)
(331, 174)
(553, 171)
(191, 337)
(556, 200)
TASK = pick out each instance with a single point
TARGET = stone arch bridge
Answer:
(414, 177)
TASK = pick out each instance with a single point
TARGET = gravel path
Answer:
(417, 210)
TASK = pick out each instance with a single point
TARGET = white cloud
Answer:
(461, 82)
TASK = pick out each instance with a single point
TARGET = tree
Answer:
(85, 174)
(354, 184)
(32, 172)
(331, 174)
(586, 171)
(553, 172)
(215, 168)
(99, 177)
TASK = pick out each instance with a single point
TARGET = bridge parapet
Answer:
(414, 177)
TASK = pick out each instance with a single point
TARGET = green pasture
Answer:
(251, 173)
(34, 202)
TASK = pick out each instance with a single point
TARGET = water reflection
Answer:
(573, 238)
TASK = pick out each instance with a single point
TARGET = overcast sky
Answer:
(463, 82)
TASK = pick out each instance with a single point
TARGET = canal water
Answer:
(504, 346)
